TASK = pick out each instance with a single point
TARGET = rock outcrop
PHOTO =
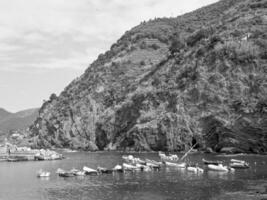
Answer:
(169, 83)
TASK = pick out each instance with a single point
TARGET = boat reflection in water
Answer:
(219, 175)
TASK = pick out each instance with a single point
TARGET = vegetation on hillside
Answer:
(169, 83)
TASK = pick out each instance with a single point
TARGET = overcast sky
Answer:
(44, 44)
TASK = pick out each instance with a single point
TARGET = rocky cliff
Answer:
(169, 83)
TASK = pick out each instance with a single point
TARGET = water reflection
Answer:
(44, 178)
(220, 175)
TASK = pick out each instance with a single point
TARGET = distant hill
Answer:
(19, 120)
(170, 83)
(4, 114)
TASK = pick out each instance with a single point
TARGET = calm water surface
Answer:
(18, 181)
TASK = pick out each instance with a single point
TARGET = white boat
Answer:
(179, 165)
(154, 162)
(195, 169)
(138, 161)
(129, 167)
(89, 171)
(219, 167)
(103, 170)
(77, 172)
(238, 161)
(171, 157)
(59, 170)
(128, 158)
(140, 165)
(239, 165)
(143, 167)
(42, 173)
(118, 168)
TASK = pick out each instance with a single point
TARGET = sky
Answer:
(45, 44)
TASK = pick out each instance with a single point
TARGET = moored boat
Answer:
(89, 171)
(239, 165)
(42, 173)
(171, 157)
(59, 170)
(220, 167)
(129, 167)
(128, 158)
(77, 172)
(103, 170)
(143, 167)
(238, 161)
(153, 162)
(212, 162)
(195, 169)
(179, 165)
(118, 168)
(66, 174)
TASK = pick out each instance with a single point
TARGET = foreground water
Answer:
(19, 181)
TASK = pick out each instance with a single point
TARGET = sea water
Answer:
(18, 181)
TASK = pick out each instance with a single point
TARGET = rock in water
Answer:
(169, 83)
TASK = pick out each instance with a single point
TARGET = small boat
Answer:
(212, 162)
(103, 170)
(179, 165)
(66, 174)
(59, 170)
(238, 161)
(129, 167)
(128, 158)
(90, 171)
(219, 167)
(118, 168)
(143, 167)
(239, 165)
(195, 169)
(77, 172)
(171, 157)
(153, 162)
(42, 173)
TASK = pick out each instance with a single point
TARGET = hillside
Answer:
(169, 83)
(18, 120)
(4, 113)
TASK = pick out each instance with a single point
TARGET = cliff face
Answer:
(169, 83)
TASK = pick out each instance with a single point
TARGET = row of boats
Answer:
(132, 164)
